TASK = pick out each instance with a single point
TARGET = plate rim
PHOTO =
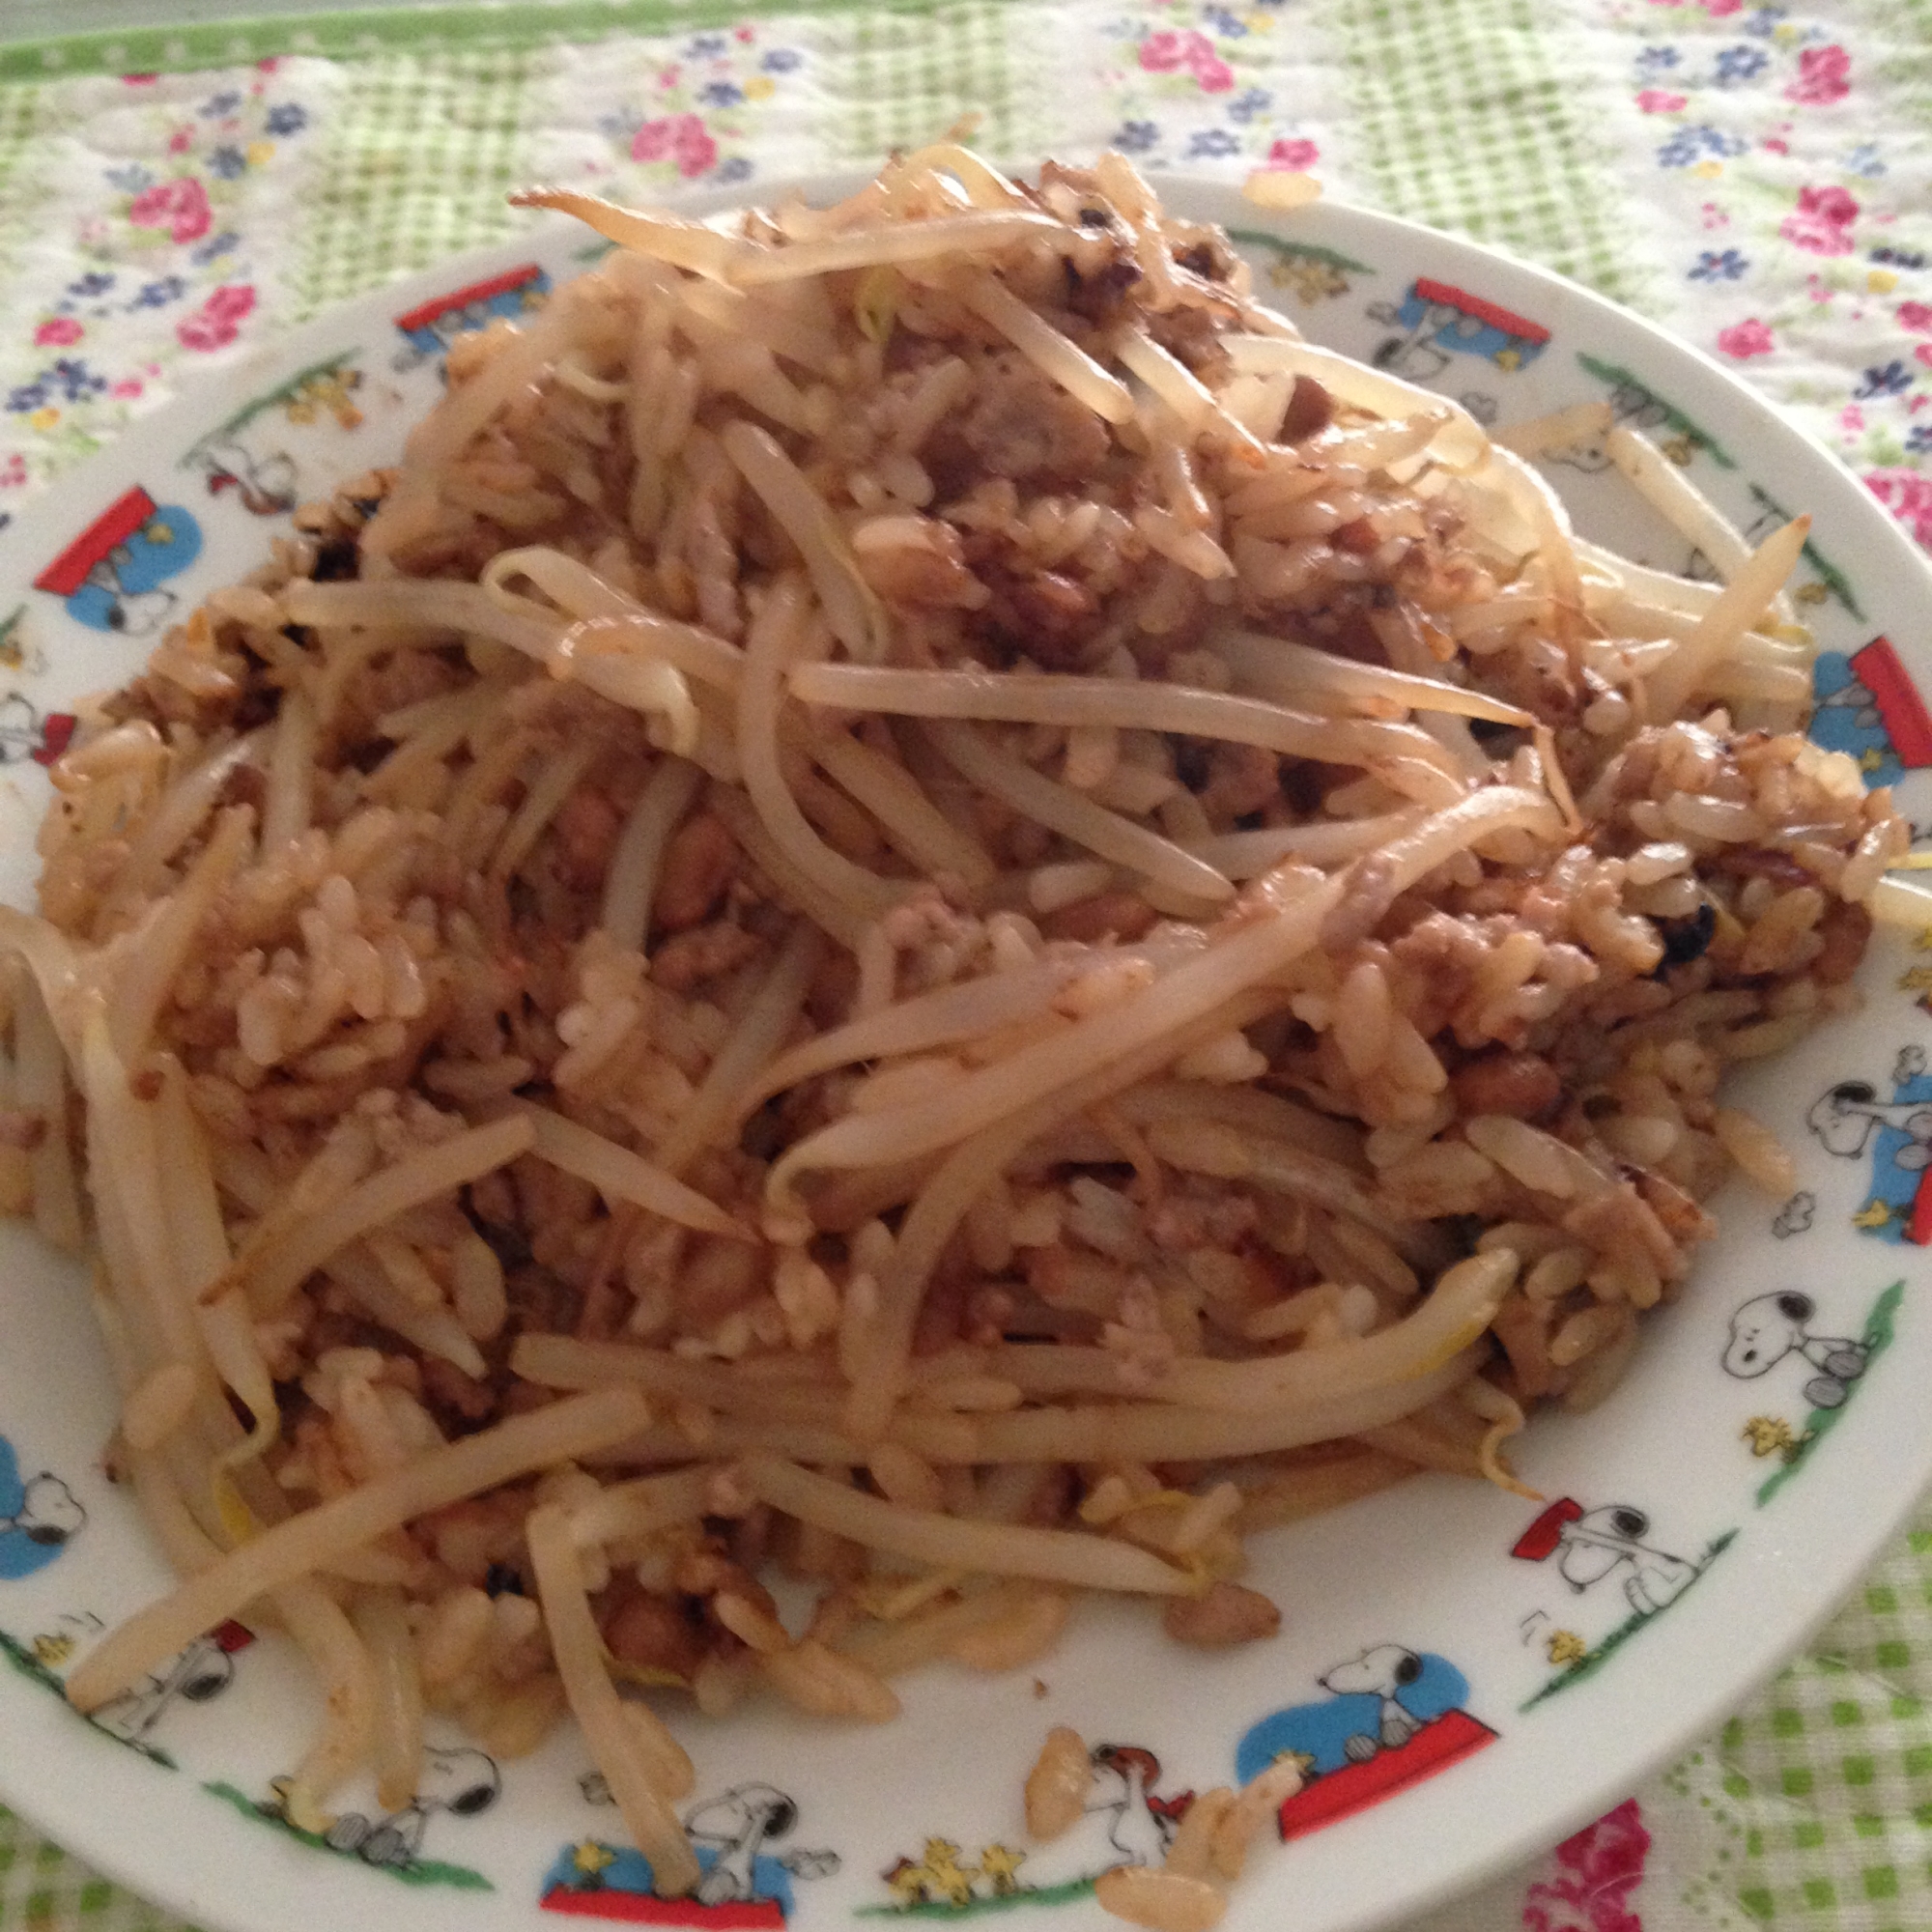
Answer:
(1857, 1539)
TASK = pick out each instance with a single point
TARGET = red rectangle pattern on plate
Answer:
(1341, 1794)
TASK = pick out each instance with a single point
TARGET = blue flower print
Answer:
(216, 105)
(76, 381)
(1864, 160)
(28, 396)
(1211, 143)
(1690, 145)
(1899, 258)
(1889, 379)
(1765, 22)
(1246, 107)
(782, 60)
(1136, 137)
(720, 93)
(157, 295)
(228, 163)
(1654, 60)
(1219, 20)
(1713, 267)
(286, 117)
(1918, 439)
(705, 46)
(736, 169)
(131, 179)
(1740, 63)
(96, 282)
(214, 248)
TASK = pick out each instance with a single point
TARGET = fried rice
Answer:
(918, 906)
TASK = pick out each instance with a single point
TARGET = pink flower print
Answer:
(1654, 101)
(1923, 353)
(679, 138)
(1773, 146)
(217, 322)
(57, 331)
(180, 140)
(1851, 420)
(1916, 317)
(743, 34)
(139, 79)
(1720, 10)
(1908, 495)
(1745, 339)
(1824, 76)
(1293, 155)
(180, 207)
(1190, 52)
(126, 388)
(1168, 52)
(1823, 224)
(14, 474)
(1599, 1869)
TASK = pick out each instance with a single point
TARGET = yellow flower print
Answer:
(1566, 1647)
(1680, 449)
(1873, 1214)
(1881, 281)
(759, 87)
(1767, 1435)
(53, 1651)
(44, 419)
(1258, 23)
(1708, 170)
(260, 153)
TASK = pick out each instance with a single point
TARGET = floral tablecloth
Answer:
(1757, 177)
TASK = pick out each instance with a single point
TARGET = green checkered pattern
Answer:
(1491, 117)
(417, 160)
(902, 79)
(1477, 115)
(41, 1889)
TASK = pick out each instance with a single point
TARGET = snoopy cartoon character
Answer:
(39, 1517)
(1438, 321)
(1126, 1820)
(1597, 1543)
(112, 574)
(1850, 1119)
(736, 1827)
(197, 1674)
(265, 486)
(1379, 1702)
(461, 1782)
(1768, 1328)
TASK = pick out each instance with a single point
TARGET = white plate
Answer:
(1552, 1669)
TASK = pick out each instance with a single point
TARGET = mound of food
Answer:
(919, 906)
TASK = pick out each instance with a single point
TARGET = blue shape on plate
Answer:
(39, 1517)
